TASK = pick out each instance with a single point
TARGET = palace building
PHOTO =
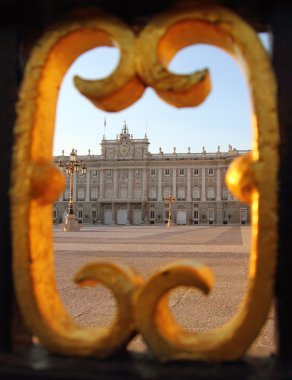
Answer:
(128, 185)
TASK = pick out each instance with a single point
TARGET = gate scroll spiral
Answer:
(142, 304)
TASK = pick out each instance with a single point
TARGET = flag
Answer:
(104, 125)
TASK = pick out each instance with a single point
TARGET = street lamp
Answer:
(69, 168)
(169, 201)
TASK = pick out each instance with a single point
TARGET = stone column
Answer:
(130, 184)
(218, 182)
(174, 182)
(87, 186)
(128, 214)
(114, 217)
(101, 184)
(115, 183)
(189, 198)
(99, 214)
(159, 197)
(144, 184)
(203, 192)
(229, 197)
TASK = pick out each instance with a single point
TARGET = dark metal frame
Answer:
(21, 23)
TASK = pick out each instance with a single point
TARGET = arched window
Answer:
(166, 192)
(152, 194)
(81, 193)
(211, 214)
(211, 193)
(137, 193)
(93, 194)
(181, 194)
(123, 193)
(109, 193)
(196, 193)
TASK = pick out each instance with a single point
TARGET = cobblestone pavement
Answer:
(224, 249)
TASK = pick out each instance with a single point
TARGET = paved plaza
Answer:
(225, 249)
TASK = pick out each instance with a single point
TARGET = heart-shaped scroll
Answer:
(35, 183)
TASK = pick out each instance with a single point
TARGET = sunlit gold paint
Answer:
(36, 183)
(252, 179)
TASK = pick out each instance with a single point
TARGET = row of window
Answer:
(123, 194)
(152, 214)
(81, 194)
(109, 173)
(196, 194)
(79, 214)
(210, 215)
(182, 172)
(138, 172)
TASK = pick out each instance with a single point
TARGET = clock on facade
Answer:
(124, 150)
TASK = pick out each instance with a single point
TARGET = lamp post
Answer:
(69, 168)
(169, 201)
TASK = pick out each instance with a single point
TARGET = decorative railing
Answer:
(171, 156)
(142, 304)
(197, 156)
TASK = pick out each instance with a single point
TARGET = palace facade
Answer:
(128, 185)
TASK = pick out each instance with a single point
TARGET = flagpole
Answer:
(104, 125)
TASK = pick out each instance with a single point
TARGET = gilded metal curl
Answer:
(252, 178)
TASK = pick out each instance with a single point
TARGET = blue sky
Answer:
(222, 119)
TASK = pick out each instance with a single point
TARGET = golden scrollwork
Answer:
(123, 87)
(252, 178)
